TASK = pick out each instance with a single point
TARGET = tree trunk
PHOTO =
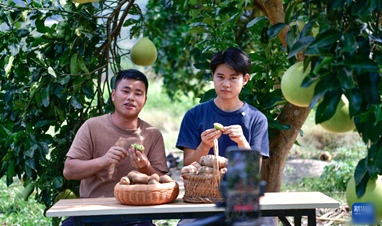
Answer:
(280, 144)
(282, 140)
(274, 10)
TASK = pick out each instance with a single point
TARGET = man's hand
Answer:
(235, 132)
(113, 156)
(208, 137)
(138, 159)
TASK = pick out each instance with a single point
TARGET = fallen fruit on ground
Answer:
(144, 52)
(373, 194)
(291, 85)
(340, 122)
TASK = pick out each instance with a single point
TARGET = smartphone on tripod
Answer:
(241, 189)
(243, 185)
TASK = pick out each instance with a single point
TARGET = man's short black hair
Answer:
(131, 74)
(234, 58)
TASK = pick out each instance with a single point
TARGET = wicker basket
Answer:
(146, 194)
(201, 188)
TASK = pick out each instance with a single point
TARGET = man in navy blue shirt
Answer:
(244, 125)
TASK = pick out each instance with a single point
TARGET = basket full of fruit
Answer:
(202, 179)
(140, 189)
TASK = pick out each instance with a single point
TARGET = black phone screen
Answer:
(243, 184)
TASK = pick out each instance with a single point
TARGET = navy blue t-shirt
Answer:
(201, 117)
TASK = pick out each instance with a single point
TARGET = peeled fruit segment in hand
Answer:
(144, 52)
(138, 147)
(218, 126)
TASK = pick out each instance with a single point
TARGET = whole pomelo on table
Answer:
(67, 194)
(144, 52)
(373, 194)
(291, 87)
(340, 122)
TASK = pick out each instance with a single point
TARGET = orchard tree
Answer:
(340, 40)
(59, 58)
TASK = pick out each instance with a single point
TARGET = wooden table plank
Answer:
(110, 206)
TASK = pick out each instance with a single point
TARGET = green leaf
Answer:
(355, 99)
(81, 64)
(27, 191)
(345, 76)
(75, 103)
(361, 177)
(325, 39)
(73, 64)
(369, 86)
(45, 96)
(255, 21)
(327, 107)
(300, 45)
(210, 94)
(52, 72)
(349, 44)
(9, 65)
(276, 29)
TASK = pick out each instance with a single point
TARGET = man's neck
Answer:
(125, 123)
(228, 105)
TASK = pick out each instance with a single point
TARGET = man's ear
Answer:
(246, 79)
(112, 94)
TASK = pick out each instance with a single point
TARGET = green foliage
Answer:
(56, 75)
(335, 177)
(346, 58)
(14, 210)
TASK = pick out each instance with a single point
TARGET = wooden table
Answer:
(278, 204)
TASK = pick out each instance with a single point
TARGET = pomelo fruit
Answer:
(340, 122)
(373, 194)
(291, 85)
(143, 52)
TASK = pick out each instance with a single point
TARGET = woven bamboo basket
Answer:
(146, 194)
(201, 188)
(201, 185)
